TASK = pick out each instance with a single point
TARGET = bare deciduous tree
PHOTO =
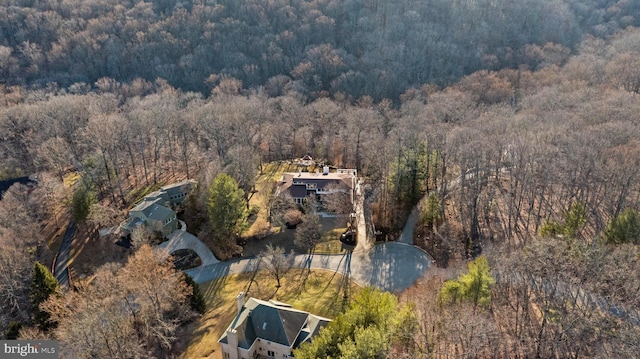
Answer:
(16, 261)
(104, 216)
(276, 262)
(125, 312)
(309, 232)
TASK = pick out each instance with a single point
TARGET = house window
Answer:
(271, 354)
(226, 355)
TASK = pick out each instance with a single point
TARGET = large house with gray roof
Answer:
(300, 185)
(270, 329)
(156, 210)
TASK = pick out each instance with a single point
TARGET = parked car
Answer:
(349, 237)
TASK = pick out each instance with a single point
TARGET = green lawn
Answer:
(330, 242)
(264, 189)
(321, 293)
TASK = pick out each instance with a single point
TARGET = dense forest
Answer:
(543, 138)
(512, 127)
(358, 47)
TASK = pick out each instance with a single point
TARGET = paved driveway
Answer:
(389, 266)
(61, 265)
(180, 239)
(392, 266)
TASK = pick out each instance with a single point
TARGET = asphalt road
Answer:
(61, 265)
(390, 266)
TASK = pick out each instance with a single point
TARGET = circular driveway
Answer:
(181, 239)
(390, 266)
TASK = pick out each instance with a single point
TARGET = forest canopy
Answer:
(377, 48)
(513, 127)
(558, 135)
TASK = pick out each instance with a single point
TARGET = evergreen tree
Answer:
(474, 286)
(409, 173)
(43, 285)
(83, 198)
(226, 207)
(196, 299)
(13, 331)
(372, 324)
(432, 211)
(625, 228)
(574, 219)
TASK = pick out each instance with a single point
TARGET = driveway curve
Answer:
(390, 266)
(180, 239)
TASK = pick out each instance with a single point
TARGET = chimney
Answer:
(232, 341)
(240, 301)
(325, 170)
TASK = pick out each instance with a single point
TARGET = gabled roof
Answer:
(178, 188)
(132, 224)
(159, 213)
(295, 183)
(144, 205)
(157, 195)
(275, 322)
(313, 327)
(153, 210)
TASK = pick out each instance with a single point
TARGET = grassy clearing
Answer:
(329, 247)
(261, 228)
(330, 242)
(70, 179)
(322, 293)
(264, 190)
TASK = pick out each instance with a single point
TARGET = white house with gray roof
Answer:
(270, 329)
